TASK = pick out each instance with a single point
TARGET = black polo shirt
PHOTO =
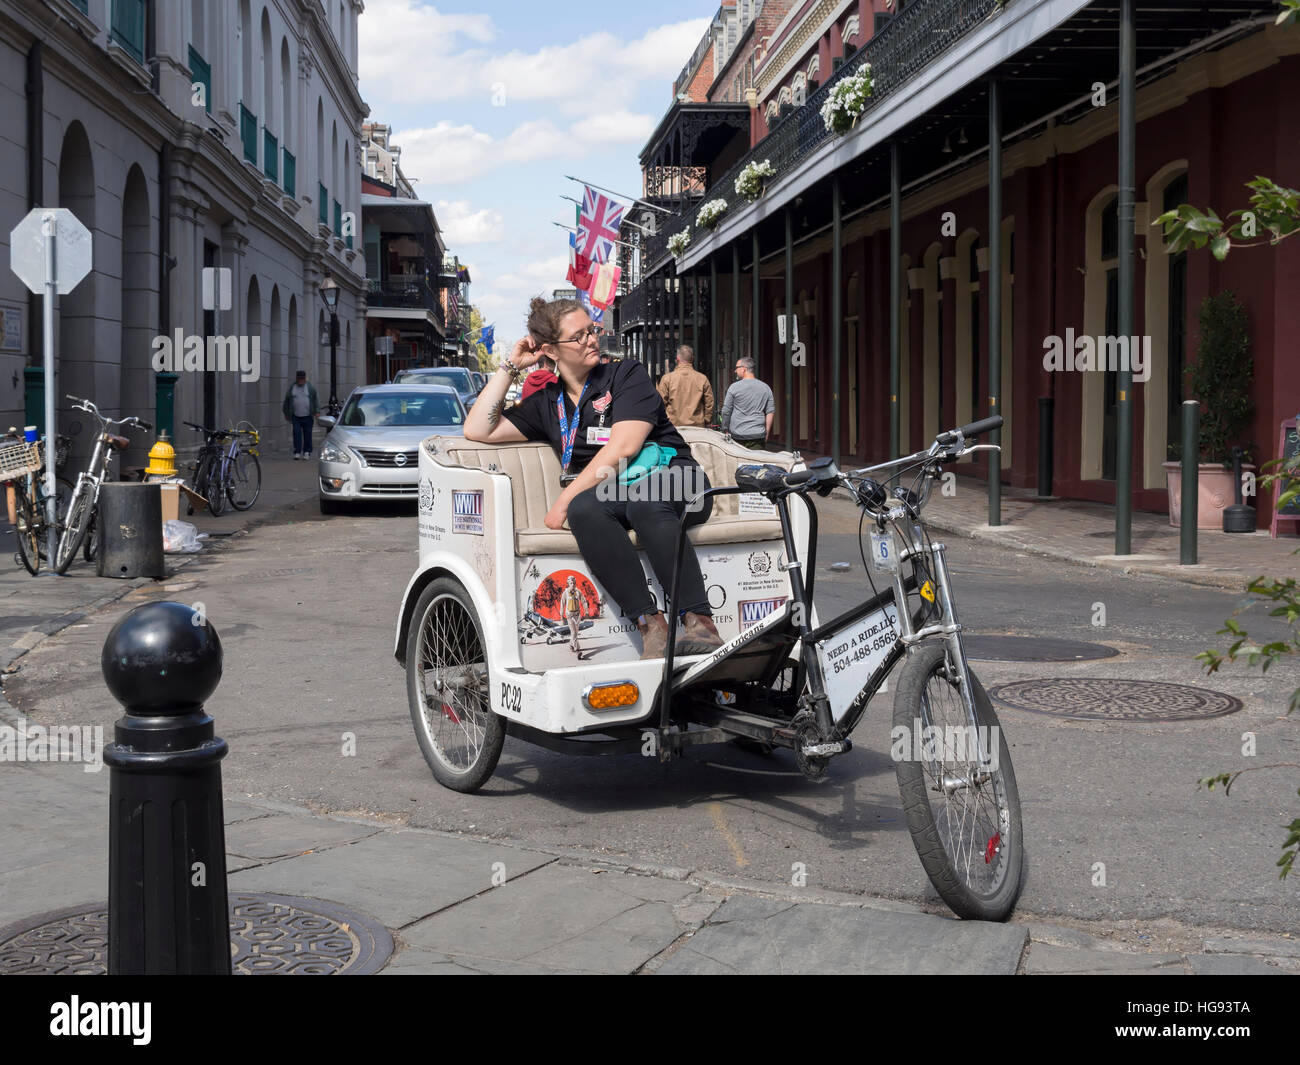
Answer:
(626, 393)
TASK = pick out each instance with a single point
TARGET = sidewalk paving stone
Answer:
(563, 918)
(1230, 965)
(397, 877)
(760, 936)
(281, 835)
(1045, 958)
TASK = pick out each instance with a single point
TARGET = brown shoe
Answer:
(654, 635)
(697, 635)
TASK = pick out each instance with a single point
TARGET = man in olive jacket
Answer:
(300, 406)
(686, 392)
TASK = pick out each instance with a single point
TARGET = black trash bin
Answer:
(129, 527)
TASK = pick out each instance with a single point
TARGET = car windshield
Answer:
(458, 379)
(403, 408)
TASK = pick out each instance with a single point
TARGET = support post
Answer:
(895, 293)
(1187, 515)
(788, 374)
(995, 296)
(735, 320)
(756, 322)
(837, 313)
(1124, 389)
(713, 311)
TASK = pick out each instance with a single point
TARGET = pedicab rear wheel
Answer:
(447, 688)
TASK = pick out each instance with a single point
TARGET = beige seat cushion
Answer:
(534, 473)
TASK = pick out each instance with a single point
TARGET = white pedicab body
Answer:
(484, 546)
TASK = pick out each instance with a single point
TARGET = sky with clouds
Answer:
(493, 104)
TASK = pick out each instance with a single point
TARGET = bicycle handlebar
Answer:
(984, 425)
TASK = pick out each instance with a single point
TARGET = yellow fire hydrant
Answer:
(162, 458)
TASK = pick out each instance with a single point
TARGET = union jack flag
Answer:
(598, 225)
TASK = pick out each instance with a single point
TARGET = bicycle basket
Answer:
(18, 460)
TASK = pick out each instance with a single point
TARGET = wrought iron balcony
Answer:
(914, 38)
(408, 292)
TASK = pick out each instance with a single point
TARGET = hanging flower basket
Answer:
(847, 100)
(678, 243)
(751, 181)
(711, 213)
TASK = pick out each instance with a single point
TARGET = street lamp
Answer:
(329, 292)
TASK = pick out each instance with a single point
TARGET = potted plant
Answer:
(711, 213)
(847, 100)
(751, 181)
(678, 243)
(1221, 380)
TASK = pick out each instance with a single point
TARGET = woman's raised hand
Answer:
(526, 353)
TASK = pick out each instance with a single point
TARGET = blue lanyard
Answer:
(567, 436)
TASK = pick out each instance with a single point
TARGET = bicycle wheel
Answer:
(964, 816)
(78, 524)
(90, 546)
(216, 486)
(27, 531)
(447, 688)
(245, 480)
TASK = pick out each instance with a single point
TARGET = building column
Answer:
(756, 335)
(787, 375)
(713, 311)
(995, 295)
(837, 313)
(1124, 390)
(895, 292)
(721, 373)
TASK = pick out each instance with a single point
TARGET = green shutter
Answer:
(323, 211)
(201, 71)
(127, 27)
(270, 155)
(290, 174)
(248, 133)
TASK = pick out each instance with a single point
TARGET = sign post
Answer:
(50, 252)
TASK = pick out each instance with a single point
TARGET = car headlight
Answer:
(331, 453)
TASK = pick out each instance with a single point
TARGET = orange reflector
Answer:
(611, 696)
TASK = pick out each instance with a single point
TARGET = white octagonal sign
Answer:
(71, 248)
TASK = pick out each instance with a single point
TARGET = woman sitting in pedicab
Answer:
(607, 422)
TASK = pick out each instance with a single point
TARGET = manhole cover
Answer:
(1108, 699)
(1033, 649)
(269, 935)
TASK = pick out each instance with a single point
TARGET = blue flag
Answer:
(489, 337)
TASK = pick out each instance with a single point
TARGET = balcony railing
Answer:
(323, 205)
(408, 292)
(290, 174)
(270, 156)
(915, 37)
(248, 133)
(201, 71)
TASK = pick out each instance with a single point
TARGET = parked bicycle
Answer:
(227, 467)
(22, 469)
(84, 508)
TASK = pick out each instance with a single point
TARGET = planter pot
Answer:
(1215, 491)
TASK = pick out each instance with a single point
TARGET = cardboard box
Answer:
(171, 501)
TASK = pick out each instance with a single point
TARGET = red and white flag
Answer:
(579, 275)
(598, 225)
(604, 283)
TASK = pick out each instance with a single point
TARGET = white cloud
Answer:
(504, 297)
(399, 38)
(614, 126)
(461, 224)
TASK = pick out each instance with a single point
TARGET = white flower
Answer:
(847, 99)
(711, 213)
(750, 181)
(678, 243)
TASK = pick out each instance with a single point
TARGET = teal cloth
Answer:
(648, 459)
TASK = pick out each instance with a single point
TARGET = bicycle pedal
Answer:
(823, 750)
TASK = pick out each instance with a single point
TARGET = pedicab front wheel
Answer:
(447, 688)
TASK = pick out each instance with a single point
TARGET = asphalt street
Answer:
(306, 608)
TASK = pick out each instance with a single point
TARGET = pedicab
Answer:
(503, 631)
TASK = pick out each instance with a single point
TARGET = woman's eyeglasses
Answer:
(582, 338)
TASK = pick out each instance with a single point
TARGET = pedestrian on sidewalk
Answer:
(300, 406)
(686, 392)
(748, 409)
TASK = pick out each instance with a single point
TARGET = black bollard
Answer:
(129, 528)
(1238, 518)
(167, 906)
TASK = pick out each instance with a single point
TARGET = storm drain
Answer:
(1033, 649)
(1109, 699)
(269, 935)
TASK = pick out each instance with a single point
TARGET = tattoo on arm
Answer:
(494, 415)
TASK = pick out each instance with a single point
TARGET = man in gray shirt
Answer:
(749, 408)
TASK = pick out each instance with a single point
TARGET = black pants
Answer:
(600, 516)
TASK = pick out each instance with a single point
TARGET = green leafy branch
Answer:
(1274, 209)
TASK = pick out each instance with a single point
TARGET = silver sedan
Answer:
(372, 451)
